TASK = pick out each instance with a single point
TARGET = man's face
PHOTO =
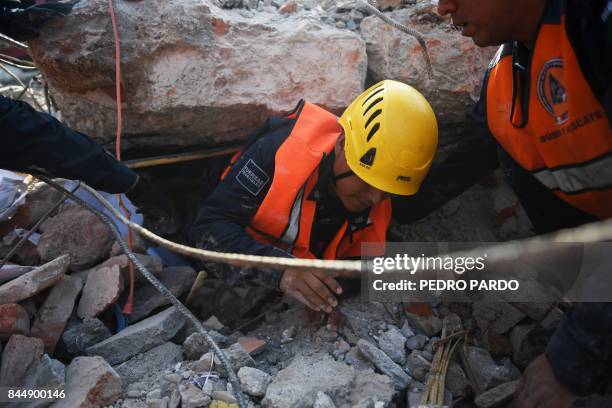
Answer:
(487, 22)
(355, 194)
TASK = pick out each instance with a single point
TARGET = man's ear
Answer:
(339, 148)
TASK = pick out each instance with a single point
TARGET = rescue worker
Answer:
(547, 101)
(312, 185)
(33, 140)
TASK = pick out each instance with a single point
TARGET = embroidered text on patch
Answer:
(252, 177)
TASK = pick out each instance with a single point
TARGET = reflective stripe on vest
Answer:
(291, 233)
(563, 138)
(286, 215)
(575, 180)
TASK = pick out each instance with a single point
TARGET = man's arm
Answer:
(580, 351)
(35, 139)
(223, 217)
(456, 168)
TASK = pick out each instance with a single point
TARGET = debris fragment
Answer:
(35, 281)
(103, 288)
(77, 232)
(14, 319)
(55, 312)
(140, 337)
(90, 382)
(498, 396)
(21, 353)
(384, 364)
(254, 382)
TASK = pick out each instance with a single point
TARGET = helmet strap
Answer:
(340, 176)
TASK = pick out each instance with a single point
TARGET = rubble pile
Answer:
(60, 326)
(197, 71)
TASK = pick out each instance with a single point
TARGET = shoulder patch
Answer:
(252, 177)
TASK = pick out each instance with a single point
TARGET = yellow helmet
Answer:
(391, 135)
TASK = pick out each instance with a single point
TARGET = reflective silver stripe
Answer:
(293, 228)
(597, 174)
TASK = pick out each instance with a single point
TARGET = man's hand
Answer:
(539, 388)
(24, 24)
(159, 213)
(314, 289)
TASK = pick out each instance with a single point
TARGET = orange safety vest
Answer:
(560, 133)
(287, 213)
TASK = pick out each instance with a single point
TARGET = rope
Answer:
(159, 286)
(231, 258)
(504, 252)
(370, 5)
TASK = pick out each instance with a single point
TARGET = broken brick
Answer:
(103, 288)
(14, 319)
(33, 282)
(252, 345)
(90, 382)
(78, 232)
(20, 354)
(55, 311)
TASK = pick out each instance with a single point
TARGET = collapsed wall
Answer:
(195, 73)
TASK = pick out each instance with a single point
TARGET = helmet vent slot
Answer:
(373, 131)
(379, 90)
(374, 103)
(372, 117)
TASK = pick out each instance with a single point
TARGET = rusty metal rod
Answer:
(180, 157)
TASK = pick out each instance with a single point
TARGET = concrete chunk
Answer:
(417, 365)
(150, 363)
(14, 319)
(20, 354)
(254, 382)
(195, 345)
(56, 311)
(392, 343)
(527, 343)
(237, 356)
(323, 401)
(498, 396)
(78, 232)
(33, 282)
(384, 364)
(48, 373)
(90, 382)
(193, 397)
(103, 288)
(152, 263)
(483, 371)
(501, 316)
(79, 335)
(297, 385)
(427, 325)
(140, 337)
(186, 99)
(147, 298)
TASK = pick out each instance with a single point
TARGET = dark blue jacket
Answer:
(32, 139)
